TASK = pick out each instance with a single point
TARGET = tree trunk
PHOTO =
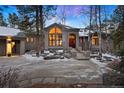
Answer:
(90, 28)
(107, 48)
(100, 40)
(41, 28)
(37, 28)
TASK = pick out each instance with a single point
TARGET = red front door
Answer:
(72, 40)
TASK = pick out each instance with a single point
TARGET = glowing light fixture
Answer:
(9, 46)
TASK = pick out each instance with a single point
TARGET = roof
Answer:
(6, 31)
(84, 32)
(63, 26)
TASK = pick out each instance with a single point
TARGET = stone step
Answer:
(81, 56)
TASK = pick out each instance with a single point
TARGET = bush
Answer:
(8, 78)
(114, 65)
(121, 65)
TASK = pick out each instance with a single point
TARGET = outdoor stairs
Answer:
(81, 55)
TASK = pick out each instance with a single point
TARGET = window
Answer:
(27, 39)
(95, 40)
(55, 37)
(32, 39)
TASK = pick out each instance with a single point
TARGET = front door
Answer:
(72, 40)
(16, 47)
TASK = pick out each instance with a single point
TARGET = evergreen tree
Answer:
(25, 24)
(118, 35)
(118, 17)
(2, 20)
(35, 17)
(13, 20)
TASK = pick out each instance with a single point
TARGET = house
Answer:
(56, 36)
(83, 38)
(31, 41)
(60, 36)
(92, 37)
(12, 41)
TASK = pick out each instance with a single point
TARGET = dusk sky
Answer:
(74, 15)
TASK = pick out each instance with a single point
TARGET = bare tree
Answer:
(90, 27)
(100, 38)
(107, 49)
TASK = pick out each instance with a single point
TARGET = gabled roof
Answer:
(62, 26)
(6, 31)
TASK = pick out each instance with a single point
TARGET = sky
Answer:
(75, 14)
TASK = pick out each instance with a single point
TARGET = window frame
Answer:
(57, 37)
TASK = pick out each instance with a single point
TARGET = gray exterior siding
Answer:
(2, 47)
(22, 47)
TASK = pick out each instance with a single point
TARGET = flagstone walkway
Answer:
(65, 71)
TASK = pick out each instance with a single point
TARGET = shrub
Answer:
(8, 78)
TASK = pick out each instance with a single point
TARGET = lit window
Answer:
(55, 37)
(32, 39)
(95, 40)
(27, 39)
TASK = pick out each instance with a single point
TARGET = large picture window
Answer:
(55, 37)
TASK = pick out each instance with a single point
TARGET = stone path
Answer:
(66, 71)
(81, 56)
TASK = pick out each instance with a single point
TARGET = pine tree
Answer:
(13, 20)
(35, 18)
(2, 20)
(118, 35)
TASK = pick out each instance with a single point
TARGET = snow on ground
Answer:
(33, 58)
(109, 55)
(60, 51)
(46, 51)
(36, 67)
(100, 65)
(61, 60)
(84, 75)
(41, 58)
(94, 76)
(50, 54)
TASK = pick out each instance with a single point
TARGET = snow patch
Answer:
(84, 76)
(100, 64)
(33, 58)
(109, 55)
(46, 51)
(60, 51)
(59, 60)
(94, 77)
(50, 54)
